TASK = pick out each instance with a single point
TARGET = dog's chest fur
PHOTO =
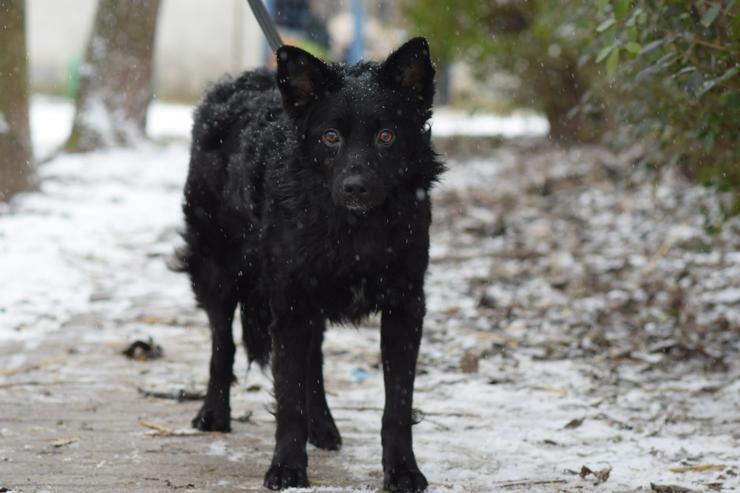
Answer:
(343, 269)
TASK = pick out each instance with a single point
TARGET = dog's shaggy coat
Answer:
(307, 200)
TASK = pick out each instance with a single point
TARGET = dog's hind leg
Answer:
(218, 298)
(322, 431)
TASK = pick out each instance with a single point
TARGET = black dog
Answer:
(308, 200)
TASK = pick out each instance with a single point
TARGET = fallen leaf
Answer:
(601, 475)
(65, 440)
(143, 350)
(555, 390)
(469, 362)
(574, 423)
(151, 320)
(454, 310)
(170, 484)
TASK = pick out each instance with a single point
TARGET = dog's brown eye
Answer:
(386, 137)
(331, 137)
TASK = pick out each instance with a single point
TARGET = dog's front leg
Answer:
(291, 334)
(400, 336)
(322, 431)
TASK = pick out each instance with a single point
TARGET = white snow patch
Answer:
(448, 122)
(51, 122)
(4, 126)
(726, 296)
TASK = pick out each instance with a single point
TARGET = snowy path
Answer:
(577, 317)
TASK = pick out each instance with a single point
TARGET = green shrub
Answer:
(667, 70)
(670, 68)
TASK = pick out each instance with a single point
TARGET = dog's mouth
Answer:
(358, 207)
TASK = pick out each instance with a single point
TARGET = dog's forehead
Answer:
(365, 96)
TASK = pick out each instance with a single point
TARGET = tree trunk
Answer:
(116, 77)
(562, 91)
(16, 156)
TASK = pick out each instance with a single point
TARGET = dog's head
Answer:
(360, 125)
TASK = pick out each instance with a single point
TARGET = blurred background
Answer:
(614, 71)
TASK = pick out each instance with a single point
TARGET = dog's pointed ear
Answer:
(302, 79)
(410, 69)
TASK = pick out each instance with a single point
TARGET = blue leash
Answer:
(265, 22)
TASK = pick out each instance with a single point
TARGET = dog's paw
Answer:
(404, 480)
(281, 477)
(213, 418)
(324, 434)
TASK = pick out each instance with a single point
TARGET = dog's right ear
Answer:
(302, 79)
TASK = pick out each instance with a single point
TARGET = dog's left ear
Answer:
(302, 79)
(410, 69)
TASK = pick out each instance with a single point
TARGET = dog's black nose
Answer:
(355, 187)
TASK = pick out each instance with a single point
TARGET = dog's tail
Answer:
(256, 331)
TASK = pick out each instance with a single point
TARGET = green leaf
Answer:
(711, 14)
(621, 7)
(729, 74)
(653, 45)
(633, 47)
(605, 25)
(632, 34)
(612, 62)
(705, 88)
(603, 53)
(684, 70)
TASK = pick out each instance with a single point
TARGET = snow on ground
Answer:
(580, 314)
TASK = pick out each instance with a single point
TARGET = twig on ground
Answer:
(66, 440)
(699, 468)
(154, 426)
(524, 482)
(163, 431)
(181, 395)
(662, 251)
